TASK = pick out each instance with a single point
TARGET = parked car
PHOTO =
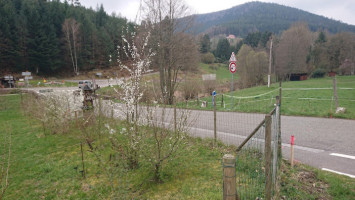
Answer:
(7, 81)
(85, 82)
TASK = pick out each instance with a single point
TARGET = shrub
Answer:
(190, 89)
(209, 86)
(207, 58)
(318, 73)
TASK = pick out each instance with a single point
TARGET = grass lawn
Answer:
(57, 83)
(297, 99)
(47, 166)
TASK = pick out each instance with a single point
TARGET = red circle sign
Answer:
(232, 67)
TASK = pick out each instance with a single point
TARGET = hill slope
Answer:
(257, 16)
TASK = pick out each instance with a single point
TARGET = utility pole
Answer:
(269, 75)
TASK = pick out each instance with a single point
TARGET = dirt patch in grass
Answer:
(311, 184)
(301, 183)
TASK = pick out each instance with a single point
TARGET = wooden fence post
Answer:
(112, 110)
(229, 178)
(335, 92)
(76, 119)
(175, 116)
(268, 158)
(198, 101)
(215, 122)
(222, 103)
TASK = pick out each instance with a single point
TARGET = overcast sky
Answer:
(342, 10)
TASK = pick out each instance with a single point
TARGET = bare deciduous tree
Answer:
(164, 139)
(71, 31)
(252, 66)
(292, 51)
(175, 50)
(339, 48)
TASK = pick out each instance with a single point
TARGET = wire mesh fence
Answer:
(229, 124)
(257, 160)
(232, 119)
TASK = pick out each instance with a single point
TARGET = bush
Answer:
(209, 86)
(190, 89)
(318, 73)
(207, 58)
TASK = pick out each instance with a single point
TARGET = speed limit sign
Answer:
(232, 67)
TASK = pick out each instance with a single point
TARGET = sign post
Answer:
(213, 98)
(27, 76)
(232, 69)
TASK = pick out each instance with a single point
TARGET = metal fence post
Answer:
(279, 150)
(268, 158)
(215, 122)
(229, 178)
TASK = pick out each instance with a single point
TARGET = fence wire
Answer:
(232, 123)
(251, 163)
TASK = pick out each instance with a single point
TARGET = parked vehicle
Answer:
(85, 82)
(7, 81)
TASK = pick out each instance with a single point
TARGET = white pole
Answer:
(232, 93)
(269, 75)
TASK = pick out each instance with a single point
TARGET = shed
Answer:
(331, 74)
(298, 77)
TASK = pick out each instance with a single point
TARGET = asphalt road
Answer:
(327, 144)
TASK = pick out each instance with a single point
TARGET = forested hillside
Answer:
(51, 36)
(257, 16)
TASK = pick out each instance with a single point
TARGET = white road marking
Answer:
(304, 148)
(219, 133)
(342, 155)
(329, 170)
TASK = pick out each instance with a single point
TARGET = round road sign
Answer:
(232, 67)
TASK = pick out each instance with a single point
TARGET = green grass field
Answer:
(48, 166)
(312, 97)
(57, 83)
(221, 71)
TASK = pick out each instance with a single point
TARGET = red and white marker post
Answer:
(292, 143)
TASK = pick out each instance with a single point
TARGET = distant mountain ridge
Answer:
(258, 16)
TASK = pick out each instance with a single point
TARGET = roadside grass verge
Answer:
(57, 83)
(304, 182)
(49, 166)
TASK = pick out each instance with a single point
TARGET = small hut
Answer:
(298, 77)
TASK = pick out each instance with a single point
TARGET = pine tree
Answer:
(223, 49)
(205, 44)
